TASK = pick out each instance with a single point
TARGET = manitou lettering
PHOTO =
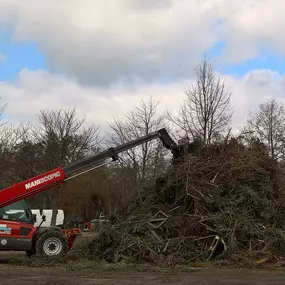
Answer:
(42, 180)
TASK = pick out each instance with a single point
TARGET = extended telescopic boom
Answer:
(113, 152)
(59, 175)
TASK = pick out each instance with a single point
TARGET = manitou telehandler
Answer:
(17, 230)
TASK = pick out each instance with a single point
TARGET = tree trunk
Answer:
(54, 197)
(53, 217)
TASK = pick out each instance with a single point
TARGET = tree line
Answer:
(60, 137)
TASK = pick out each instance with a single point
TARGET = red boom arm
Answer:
(58, 175)
(31, 186)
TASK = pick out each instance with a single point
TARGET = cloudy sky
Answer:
(103, 57)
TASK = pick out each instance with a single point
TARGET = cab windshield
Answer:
(18, 211)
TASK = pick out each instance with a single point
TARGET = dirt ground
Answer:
(11, 275)
(15, 274)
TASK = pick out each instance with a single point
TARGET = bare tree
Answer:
(206, 112)
(65, 137)
(10, 137)
(142, 120)
(267, 124)
(65, 140)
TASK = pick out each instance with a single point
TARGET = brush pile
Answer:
(223, 201)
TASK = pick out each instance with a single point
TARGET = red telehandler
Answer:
(17, 230)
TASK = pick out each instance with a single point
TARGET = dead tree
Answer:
(267, 124)
(10, 137)
(142, 120)
(65, 139)
(206, 112)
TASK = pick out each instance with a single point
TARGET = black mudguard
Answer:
(42, 230)
(38, 233)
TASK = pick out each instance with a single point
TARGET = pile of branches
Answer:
(224, 201)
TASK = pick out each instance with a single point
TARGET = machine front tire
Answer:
(51, 243)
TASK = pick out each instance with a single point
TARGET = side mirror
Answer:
(44, 218)
(35, 218)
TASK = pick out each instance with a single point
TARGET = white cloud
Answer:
(251, 27)
(252, 89)
(101, 42)
(38, 90)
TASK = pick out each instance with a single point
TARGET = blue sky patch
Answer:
(267, 60)
(272, 62)
(18, 56)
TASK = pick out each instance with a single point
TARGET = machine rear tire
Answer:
(51, 243)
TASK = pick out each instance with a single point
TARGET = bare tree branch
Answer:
(206, 112)
(267, 124)
(64, 139)
(143, 120)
